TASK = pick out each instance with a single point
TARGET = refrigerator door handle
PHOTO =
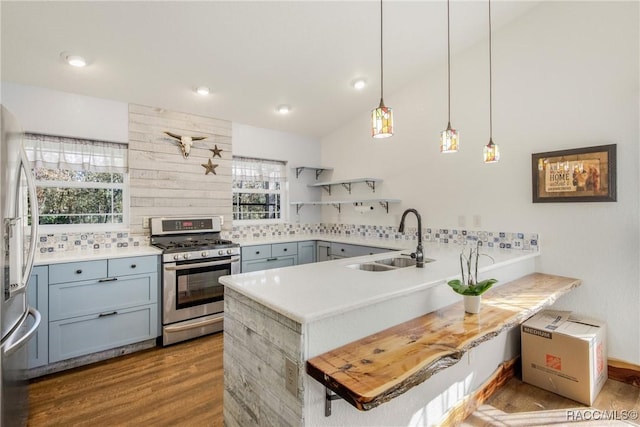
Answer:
(35, 218)
(11, 346)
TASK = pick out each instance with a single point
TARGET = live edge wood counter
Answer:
(377, 368)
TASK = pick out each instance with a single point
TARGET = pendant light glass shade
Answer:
(381, 117)
(491, 152)
(449, 140)
(382, 121)
(449, 136)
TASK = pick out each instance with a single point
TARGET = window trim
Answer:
(284, 195)
(75, 228)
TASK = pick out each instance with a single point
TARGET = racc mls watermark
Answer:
(602, 415)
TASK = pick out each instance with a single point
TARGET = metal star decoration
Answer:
(216, 151)
(209, 167)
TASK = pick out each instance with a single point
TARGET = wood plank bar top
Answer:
(377, 368)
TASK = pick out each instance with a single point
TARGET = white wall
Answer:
(53, 112)
(296, 150)
(565, 76)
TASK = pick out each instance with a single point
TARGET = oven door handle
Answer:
(202, 264)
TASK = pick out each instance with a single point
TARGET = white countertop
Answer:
(90, 254)
(310, 292)
(399, 245)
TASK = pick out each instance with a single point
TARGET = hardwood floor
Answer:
(182, 385)
(520, 404)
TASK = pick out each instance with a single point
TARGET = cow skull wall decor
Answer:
(185, 142)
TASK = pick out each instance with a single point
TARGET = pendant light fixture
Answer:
(449, 136)
(491, 151)
(381, 117)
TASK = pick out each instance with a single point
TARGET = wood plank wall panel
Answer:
(161, 181)
(257, 340)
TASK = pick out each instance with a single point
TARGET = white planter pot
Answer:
(472, 303)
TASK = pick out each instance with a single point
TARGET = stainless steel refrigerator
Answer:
(19, 222)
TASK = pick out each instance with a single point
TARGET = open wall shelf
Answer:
(346, 183)
(338, 203)
(317, 169)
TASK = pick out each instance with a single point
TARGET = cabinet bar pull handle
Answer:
(113, 313)
(110, 279)
(272, 259)
(78, 271)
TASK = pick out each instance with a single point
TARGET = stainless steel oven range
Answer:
(194, 258)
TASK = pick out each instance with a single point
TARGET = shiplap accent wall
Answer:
(162, 182)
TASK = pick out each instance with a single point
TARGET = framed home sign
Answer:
(577, 175)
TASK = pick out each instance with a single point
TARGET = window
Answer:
(79, 181)
(259, 190)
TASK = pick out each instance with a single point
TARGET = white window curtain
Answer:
(256, 170)
(58, 152)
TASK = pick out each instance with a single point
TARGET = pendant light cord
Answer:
(381, 60)
(449, 63)
(490, 82)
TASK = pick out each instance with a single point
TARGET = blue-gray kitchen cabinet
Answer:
(38, 297)
(101, 304)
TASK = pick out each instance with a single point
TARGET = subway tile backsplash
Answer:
(113, 240)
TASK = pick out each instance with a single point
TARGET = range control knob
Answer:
(220, 252)
(204, 254)
(229, 251)
(176, 257)
(186, 256)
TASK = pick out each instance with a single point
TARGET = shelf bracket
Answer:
(298, 206)
(372, 185)
(299, 171)
(328, 397)
(385, 204)
(337, 206)
(327, 188)
(318, 173)
(347, 185)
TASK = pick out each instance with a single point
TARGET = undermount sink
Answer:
(371, 267)
(397, 262)
(387, 264)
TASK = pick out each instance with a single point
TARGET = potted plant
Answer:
(469, 287)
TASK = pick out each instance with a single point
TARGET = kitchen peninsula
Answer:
(276, 320)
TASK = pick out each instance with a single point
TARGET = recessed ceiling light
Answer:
(359, 83)
(74, 60)
(202, 90)
(283, 109)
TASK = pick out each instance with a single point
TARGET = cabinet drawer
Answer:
(258, 265)
(133, 265)
(77, 271)
(256, 252)
(341, 250)
(283, 249)
(88, 334)
(81, 298)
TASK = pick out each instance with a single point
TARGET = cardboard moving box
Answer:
(565, 354)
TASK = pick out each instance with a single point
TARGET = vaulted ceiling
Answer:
(254, 55)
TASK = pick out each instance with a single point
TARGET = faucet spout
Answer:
(418, 254)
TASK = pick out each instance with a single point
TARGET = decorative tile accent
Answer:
(110, 240)
(501, 239)
(65, 242)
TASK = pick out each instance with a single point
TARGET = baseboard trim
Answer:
(469, 404)
(625, 372)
